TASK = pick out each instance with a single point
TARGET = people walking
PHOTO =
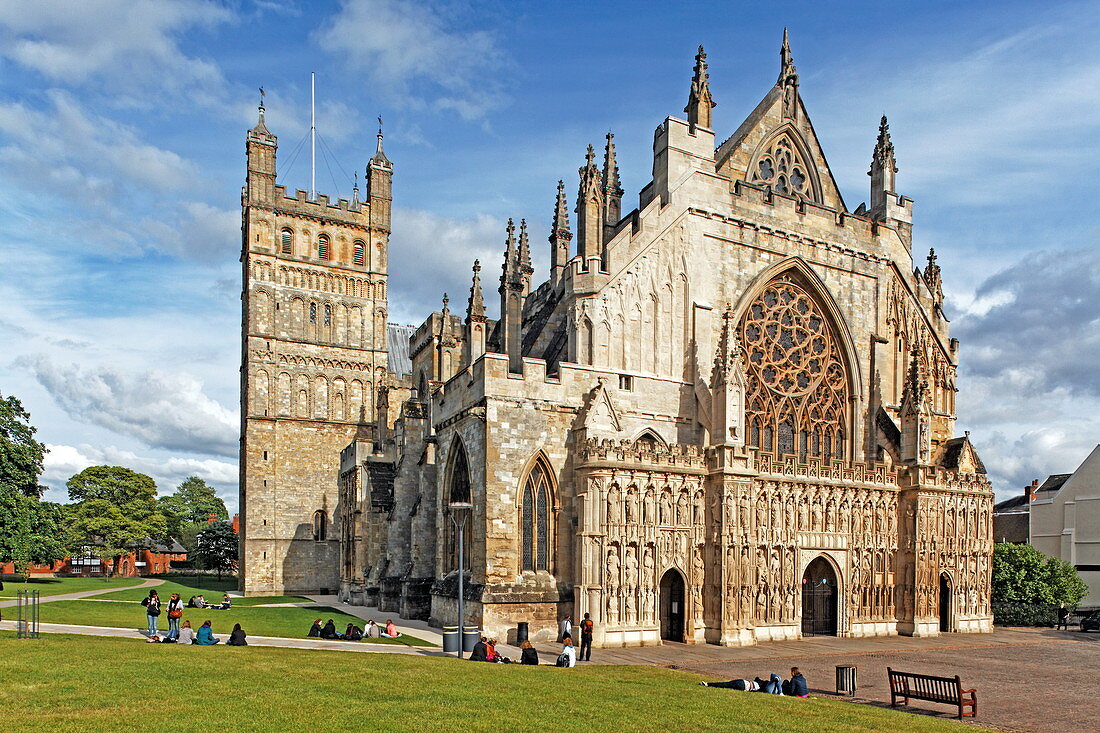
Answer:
(586, 638)
(152, 611)
(175, 612)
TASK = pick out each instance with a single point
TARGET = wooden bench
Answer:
(946, 690)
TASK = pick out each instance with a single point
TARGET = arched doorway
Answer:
(819, 599)
(945, 602)
(672, 606)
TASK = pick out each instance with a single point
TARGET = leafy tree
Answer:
(31, 531)
(1023, 574)
(188, 510)
(20, 454)
(216, 547)
(117, 511)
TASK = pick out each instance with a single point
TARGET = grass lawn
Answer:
(106, 684)
(288, 621)
(57, 586)
(212, 588)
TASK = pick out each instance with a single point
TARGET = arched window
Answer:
(360, 253)
(535, 518)
(287, 240)
(328, 315)
(322, 246)
(320, 526)
(797, 374)
(458, 491)
(648, 441)
(312, 312)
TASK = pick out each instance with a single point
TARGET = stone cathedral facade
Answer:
(726, 416)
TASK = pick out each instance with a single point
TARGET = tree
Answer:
(188, 510)
(1022, 574)
(31, 531)
(216, 547)
(117, 511)
(21, 455)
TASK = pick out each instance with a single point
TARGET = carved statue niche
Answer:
(614, 511)
(803, 513)
(776, 568)
(632, 505)
(697, 509)
(816, 524)
(612, 608)
(649, 507)
(630, 579)
(665, 518)
(743, 519)
(648, 567)
(611, 581)
(682, 508)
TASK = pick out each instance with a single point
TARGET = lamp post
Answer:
(458, 516)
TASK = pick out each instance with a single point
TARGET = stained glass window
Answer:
(535, 520)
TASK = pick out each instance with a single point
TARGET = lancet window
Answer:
(287, 237)
(458, 489)
(359, 253)
(797, 379)
(782, 167)
(322, 247)
(535, 519)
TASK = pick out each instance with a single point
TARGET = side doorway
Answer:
(672, 606)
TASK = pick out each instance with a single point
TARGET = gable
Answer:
(777, 129)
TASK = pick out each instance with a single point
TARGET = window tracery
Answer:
(535, 520)
(797, 380)
(782, 167)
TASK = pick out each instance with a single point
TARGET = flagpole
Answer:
(312, 136)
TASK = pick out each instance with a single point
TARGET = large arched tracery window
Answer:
(535, 504)
(458, 491)
(796, 400)
(781, 164)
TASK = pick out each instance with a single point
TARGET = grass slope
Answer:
(287, 621)
(58, 586)
(107, 684)
(210, 588)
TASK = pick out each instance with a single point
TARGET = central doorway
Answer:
(819, 599)
(672, 606)
(945, 602)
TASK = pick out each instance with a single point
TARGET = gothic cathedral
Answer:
(727, 416)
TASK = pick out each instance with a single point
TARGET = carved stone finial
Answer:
(700, 101)
(883, 158)
(475, 309)
(788, 78)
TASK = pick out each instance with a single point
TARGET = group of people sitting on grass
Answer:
(185, 634)
(774, 685)
(353, 632)
(199, 601)
(485, 650)
(203, 637)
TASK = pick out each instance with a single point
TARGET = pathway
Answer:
(149, 583)
(412, 627)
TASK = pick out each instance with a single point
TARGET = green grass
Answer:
(287, 622)
(97, 684)
(212, 588)
(57, 586)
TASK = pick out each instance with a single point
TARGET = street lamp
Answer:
(458, 516)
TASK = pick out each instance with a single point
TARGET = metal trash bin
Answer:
(845, 679)
(470, 636)
(450, 639)
(522, 632)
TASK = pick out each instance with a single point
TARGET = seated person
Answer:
(568, 654)
(192, 602)
(329, 631)
(315, 630)
(187, 634)
(352, 633)
(206, 635)
(372, 631)
(796, 686)
(200, 602)
(480, 651)
(226, 603)
(528, 653)
(237, 636)
(491, 650)
(391, 630)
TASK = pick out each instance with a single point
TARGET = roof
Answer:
(1054, 482)
(397, 337)
(1015, 502)
(953, 451)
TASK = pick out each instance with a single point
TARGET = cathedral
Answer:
(726, 416)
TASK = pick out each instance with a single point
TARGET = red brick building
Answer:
(155, 560)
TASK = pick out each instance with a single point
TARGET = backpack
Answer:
(563, 660)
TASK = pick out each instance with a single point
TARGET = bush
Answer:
(1023, 575)
(1024, 614)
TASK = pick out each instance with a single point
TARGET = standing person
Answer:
(175, 612)
(1063, 618)
(237, 636)
(187, 634)
(565, 628)
(586, 638)
(206, 635)
(528, 654)
(152, 611)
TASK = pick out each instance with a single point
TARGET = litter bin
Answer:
(450, 638)
(470, 636)
(522, 630)
(845, 680)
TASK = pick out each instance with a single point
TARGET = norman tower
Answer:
(313, 356)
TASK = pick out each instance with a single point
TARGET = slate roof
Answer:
(954, 450)
(1009, 504)
(400, 362)
(1054, 482)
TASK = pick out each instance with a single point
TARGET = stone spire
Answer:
(916, 440)
(727, 382)
(559, 238)
(379, 154)
(589, 224)
(932, 278)
(524, 258)
(788, 78)
(700, 102)
(261, 147)
(476, 306)
(509, 266)
(728, 357)
(364, 430)
(612, 190)
(914, 390)
(883, 171)
(380, 186)
(261, 123)
(512, 295)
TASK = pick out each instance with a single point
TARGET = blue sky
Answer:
(121, 160)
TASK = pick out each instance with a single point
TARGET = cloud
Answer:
(163, 410)
(129, 49)
(64, 461)
(419, 54)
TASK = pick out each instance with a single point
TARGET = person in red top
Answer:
(391, 630)
(586, 639)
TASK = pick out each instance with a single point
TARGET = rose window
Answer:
(782, 168)
(797, 385)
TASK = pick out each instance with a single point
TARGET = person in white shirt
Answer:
(570, 653)
(565, 628)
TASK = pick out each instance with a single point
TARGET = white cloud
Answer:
(128, 48)
(419, 54)
(162, 409)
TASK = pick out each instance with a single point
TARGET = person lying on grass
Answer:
(772, 685)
